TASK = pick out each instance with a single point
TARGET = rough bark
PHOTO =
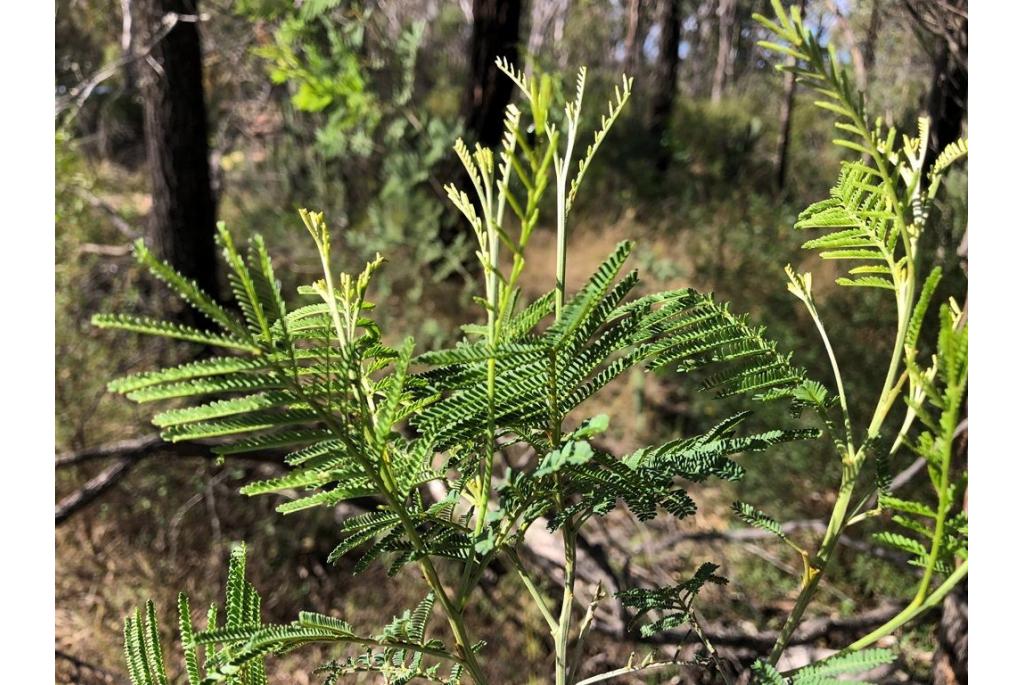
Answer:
(496, 25)
(547, 26)
(183, 214)
(666, 71)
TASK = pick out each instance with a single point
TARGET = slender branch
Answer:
(712, 652)
(81, 664)
(127, 454)
(585, 625)
(629, 669)
(149, 446)
(95, 487)
(535, 593)
(565, 615)
(76, 97)
(912, 611)
(119, 222)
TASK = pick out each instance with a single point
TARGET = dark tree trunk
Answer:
(495, 34)
(666, 71)
(170, 75)
(786, 124)
(943, 33)
(947, 99)
(723, 63)
(488, 92)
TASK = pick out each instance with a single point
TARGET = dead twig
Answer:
(127, 454)
(76, 97)
(82, 665)
(118, 221)
(95, 487)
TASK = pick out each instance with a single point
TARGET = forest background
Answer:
(170, 116)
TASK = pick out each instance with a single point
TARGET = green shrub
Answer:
(421, 436)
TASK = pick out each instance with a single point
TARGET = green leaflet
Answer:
(758, 519)
(166, 329)
(852, 662)
(190, 292)
(672, 602)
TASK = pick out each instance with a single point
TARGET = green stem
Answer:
(455, 621)
(535, 593)
(809, 585)
(853, 461)
(585, 625)
(837, 374)
(565, 615)
(562, 168)
(386, 486)
(942, 512)
(913, 610)
(560, 240)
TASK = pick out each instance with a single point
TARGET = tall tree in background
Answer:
(698, 32)
(666, 70)
(636, 29)
(495, 34)
(170, 76)
(943, 31)
(871, 39)
(723, 63)
(786, 122)
(860, 71)
(547, 27)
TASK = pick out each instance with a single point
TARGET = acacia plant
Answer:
(363, 417)
(872, 221)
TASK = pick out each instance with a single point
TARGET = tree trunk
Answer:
(947, 99)
(871, 39)
(547, 25)
(700, 46)
(856, 55)
(943, 33)
(495, 34)
(634, 41)
(786, 124)
(723, 64)
(488, 92)
(665, 76)
(170, 74)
